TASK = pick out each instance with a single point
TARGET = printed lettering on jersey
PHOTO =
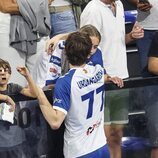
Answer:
(84, 83)
(93, 127)
(56, 100)
(55, 60)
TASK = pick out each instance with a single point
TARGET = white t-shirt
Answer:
(80, 95)
(112, 29)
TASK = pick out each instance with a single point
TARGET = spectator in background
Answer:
(11, 135)
(152, 102)
(10, 47)
(153, 55)
(62, 17)
(110, 23)
(147, 18)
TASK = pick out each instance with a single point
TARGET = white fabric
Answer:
(46, 63)
(112, 31)
(5, 114)
(40, 70)
(149, 20)
(60, 3)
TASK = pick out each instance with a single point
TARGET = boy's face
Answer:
(4, 76)
(95, 43)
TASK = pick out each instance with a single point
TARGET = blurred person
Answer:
(11, 135)
(110, 22)
(147, 48)
(152, 106)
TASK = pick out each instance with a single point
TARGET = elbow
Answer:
(153, 65)
(55, 125)
(152, 69)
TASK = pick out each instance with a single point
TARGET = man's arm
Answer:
(143, 6)
(134, 2)
(27, 91)
(136, 33)
(53, 117)
(116, 80)
(153, 65)
(52, 43)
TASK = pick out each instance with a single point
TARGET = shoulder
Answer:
(119, 3)
(61, 44)
(66, 79)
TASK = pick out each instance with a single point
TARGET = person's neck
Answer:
(108, 1)
(75, 66)
(3, 87)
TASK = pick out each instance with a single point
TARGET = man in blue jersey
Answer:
(79, 100)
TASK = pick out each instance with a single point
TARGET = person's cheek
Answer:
(93, 51)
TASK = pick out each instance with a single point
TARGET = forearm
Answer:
(53, 42)
(106, 78)
(153, 65)
(53, 117)
(129, 38)
(29, 91)
(3, 97)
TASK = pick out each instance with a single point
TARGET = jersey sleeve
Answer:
(54, 65)
(61, 98)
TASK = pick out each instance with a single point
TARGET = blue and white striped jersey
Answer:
(80, 95)
(54, 65)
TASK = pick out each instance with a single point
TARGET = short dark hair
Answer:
(77, 48)
(5, 65)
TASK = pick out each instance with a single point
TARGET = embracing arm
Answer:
(52, 43)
